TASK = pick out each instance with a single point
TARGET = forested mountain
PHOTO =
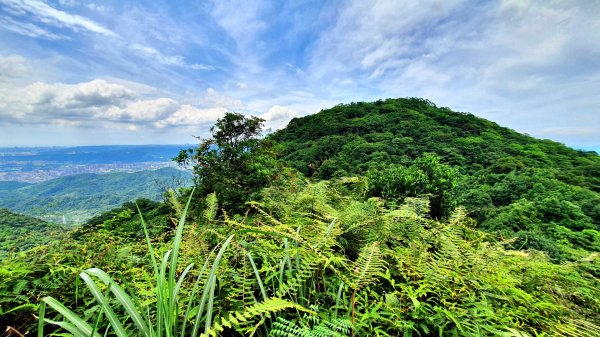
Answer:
(391, 218)
(81, 196)
(351, 138)
(545, 192)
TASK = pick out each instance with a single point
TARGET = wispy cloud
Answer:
(49, 15)
(29, 29)
(12, 66)
(176, 60)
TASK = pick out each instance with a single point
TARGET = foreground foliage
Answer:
(316, 259)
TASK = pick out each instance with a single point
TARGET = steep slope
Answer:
(81, 196)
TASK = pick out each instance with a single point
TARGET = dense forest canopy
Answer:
(351, 138)
(545, 192)
(391, 218)
(20, 232)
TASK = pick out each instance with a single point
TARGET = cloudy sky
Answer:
(76, 72)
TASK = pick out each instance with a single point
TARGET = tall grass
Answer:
(165, 319)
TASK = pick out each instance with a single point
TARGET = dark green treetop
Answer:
(235, 163)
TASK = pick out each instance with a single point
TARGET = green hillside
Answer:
(81, 196)
(544, 192)
(351, 138)
(20, 232)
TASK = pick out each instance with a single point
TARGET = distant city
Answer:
(47, 173)
(33, 165)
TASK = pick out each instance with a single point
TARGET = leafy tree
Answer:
(235, 163)
(425, 177)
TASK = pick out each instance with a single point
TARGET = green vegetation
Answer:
(11, 185)
(361, 232)
(540, 191)
(20, 232)
(82, 196)
(235, 163)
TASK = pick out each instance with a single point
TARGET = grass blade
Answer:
(108, 311)
(124, 299)
(208, 287)
(75, 320)
(41, 316)
(194, 290)
(70, 328)
(258, 279)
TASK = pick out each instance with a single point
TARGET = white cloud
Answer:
(188, 115)
(143, 110)
(94, 94)
(55, 17)
(278, 116)
(100, 103)
(12, 66)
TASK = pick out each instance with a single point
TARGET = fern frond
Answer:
(174, 201)
(577, 327)
(212, 206)
(238, 318)
(325, 328)
(369, 265)
(308, 265)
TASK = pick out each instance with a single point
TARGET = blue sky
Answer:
(133, 72)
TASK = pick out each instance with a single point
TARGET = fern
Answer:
(325, 328)
(368, 267)
(237, 319)
(576, 328)
(212, 206)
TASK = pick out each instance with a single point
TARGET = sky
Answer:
(76, 72)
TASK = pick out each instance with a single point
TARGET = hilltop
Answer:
(351, 138)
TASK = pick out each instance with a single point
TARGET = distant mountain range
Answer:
(76, 198)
